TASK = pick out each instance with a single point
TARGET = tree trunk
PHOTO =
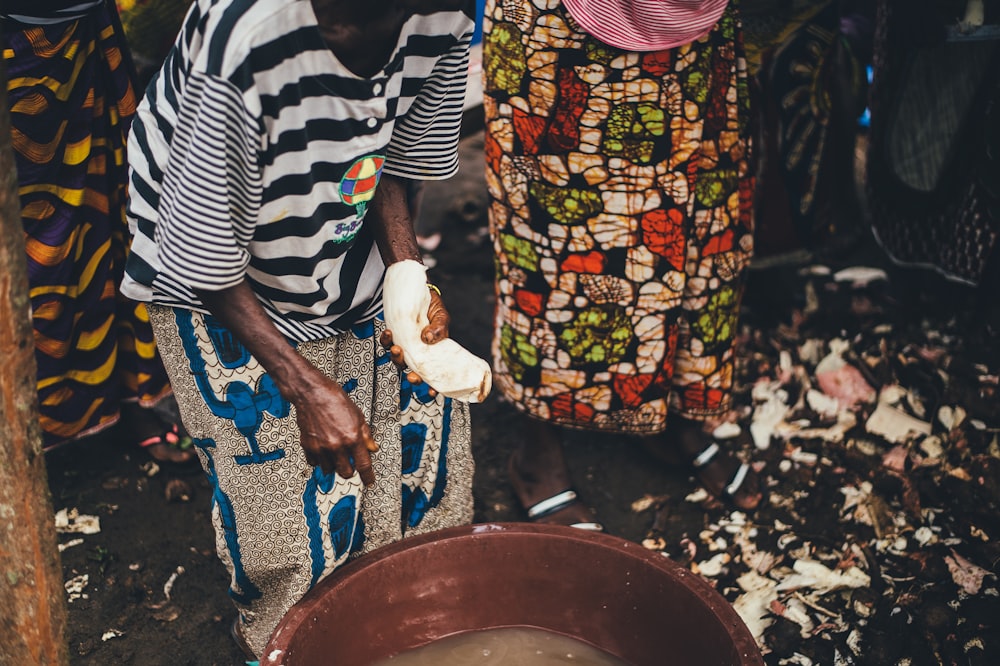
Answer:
(32, 599)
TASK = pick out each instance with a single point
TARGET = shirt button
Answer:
(377, 89)
(372, 122)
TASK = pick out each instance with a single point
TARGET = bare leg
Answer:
(538, 471)
(686, 439)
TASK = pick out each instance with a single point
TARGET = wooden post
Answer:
(32, 598)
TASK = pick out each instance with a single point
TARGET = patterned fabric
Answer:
(256, 157)
(792, 50)
(71, 101)
(621, 219)
(281, 524)
(646, 25)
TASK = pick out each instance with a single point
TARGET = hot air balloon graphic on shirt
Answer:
(358, 185)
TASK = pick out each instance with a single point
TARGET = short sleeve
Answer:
(212, 187)
(424, 142)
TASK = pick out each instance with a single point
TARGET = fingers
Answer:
(439, 320)
(363, 463)
(362, 457)
(368, 440)
(433, 333)
(342, 464)
(347, 461)
(443, 319)
(436, 330)
(344, 459)
(396, 353)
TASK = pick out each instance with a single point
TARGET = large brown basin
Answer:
(611, 593)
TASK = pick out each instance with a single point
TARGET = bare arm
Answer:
(389, 215)
(333, 430)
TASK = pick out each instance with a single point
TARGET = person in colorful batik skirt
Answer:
(270, 159)
(71, 98)
(618, 163)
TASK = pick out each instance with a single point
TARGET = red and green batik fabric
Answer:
(621, 219)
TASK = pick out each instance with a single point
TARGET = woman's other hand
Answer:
(334, 433)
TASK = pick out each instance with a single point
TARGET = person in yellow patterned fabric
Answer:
(618, 162)
(71, 98)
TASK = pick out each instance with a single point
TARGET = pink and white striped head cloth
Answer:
(646, 25)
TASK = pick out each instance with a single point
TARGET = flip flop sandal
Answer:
(172, 439)
(705, 458)
(557, 503)
(169, 437)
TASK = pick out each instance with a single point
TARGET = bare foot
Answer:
(718, 470)
(538, 472)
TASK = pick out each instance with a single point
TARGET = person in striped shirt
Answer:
(269, 161)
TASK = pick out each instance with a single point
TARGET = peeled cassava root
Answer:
(447, 366)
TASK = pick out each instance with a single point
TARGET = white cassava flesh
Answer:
(447, 366)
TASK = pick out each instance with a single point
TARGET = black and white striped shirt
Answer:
(255, 152)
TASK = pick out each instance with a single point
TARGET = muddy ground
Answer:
(856, 505)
